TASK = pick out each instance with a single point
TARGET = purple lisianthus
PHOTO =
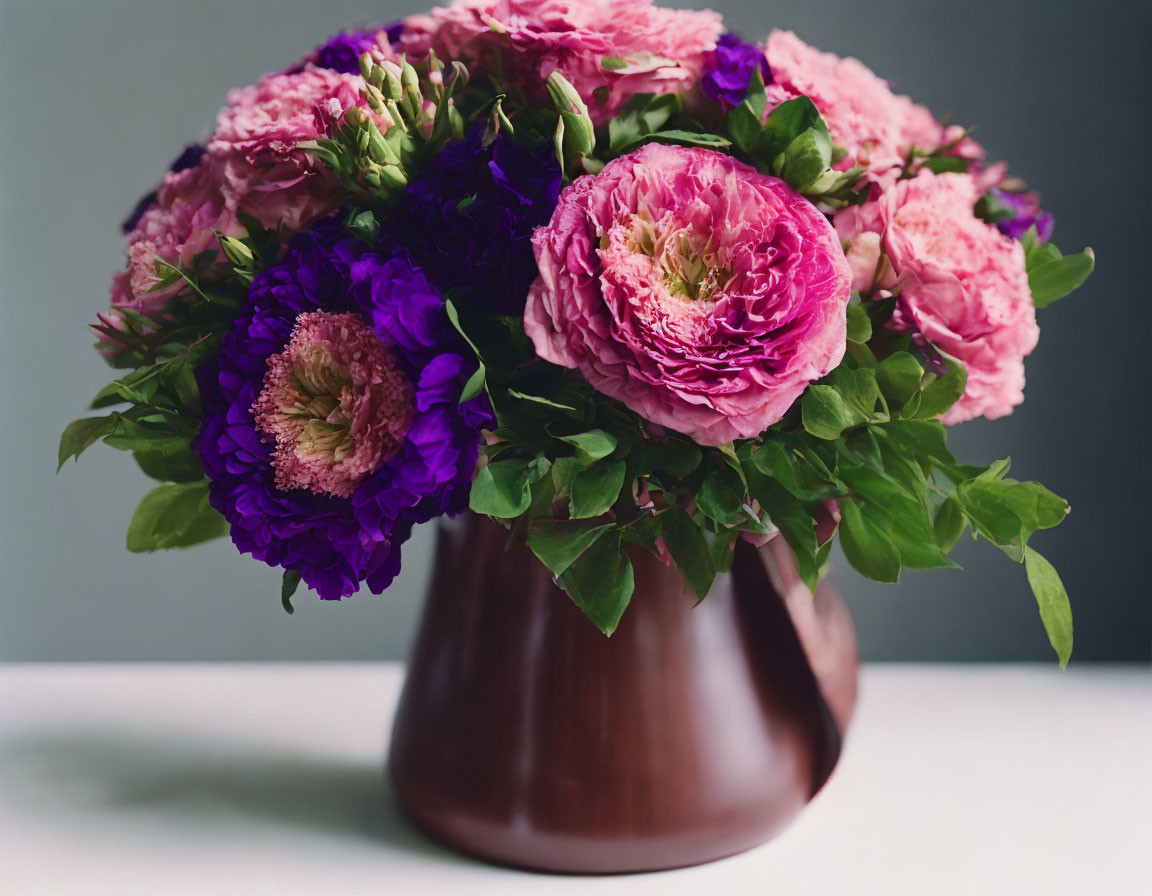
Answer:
(727, 77)
(1023, 210)
(341, 52)
(469, 218)
(189, 158)
(331, 416)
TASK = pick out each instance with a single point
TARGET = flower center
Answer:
(334, 403)
(690, 266)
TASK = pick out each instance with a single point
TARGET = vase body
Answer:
(526, 737)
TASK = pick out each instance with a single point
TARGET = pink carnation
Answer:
(876, 126)
(334, 404)
(665, 50)
(176, 229)
(255, 150)
(962, 284)
(700, 293)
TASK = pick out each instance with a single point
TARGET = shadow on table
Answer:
(103, 771)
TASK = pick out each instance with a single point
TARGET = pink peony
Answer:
(876, 126)
(665, 50)
(255, 153)
(697, 291)
(962, 284)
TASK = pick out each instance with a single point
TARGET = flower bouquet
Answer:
(602, 272)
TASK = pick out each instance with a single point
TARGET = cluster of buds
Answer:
(408, 115)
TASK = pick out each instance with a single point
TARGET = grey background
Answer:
(96, 96)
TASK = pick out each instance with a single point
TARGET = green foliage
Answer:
(1052, 599)
(288, 585)
(174, 516)
(1051, 274)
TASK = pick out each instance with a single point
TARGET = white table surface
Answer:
(251, 779)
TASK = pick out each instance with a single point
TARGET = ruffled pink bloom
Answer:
(334, 403)
(176, 229)
(697, 291)
(877, 127)
(255, 150)
(663, 50)
(962, 283)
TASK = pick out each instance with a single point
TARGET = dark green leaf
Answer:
(288, 585)
(889, 506)
(718, 501)
(1052, 599)
(686, 543)
(787, 122)
(643, 114)
(596, 489)
(557, 543)
(600, 582)
(690, 138)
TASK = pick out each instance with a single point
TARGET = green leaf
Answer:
(474, 386)
(806, 158)
(558, 543)
(288, 585)
(1052, 599)
(678, 459)
(643, 114)
(690, 138)
(787, 122)
(79, 435)
(173, 516)
(613, 63)
(743, 125)
(1007, 512)
(718, 501)
(859, 324)
(899, 376)
(600, 582)
(686, 543)
(858, 388)
(170, 465)
(596, 489)
(825, 414)
(942, 392)
(891, 507)
(948, 523)
(1056, 278)
(591, 446)
(502, 489)
(364, 226)
(475, 382)
(866, 545)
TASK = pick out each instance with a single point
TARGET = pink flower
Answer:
(876, 126)
(176, 229)
(962, 284)
(651, 49)
(700, 293)
(334, 404)
(255, 152)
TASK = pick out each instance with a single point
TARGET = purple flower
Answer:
(341, 52)
(1023, 210)
(727, 77)
(468, 219)
(339, 541)
(189, 158)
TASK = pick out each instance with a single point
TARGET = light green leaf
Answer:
(1058, 277)
(502, 489)
(1052, 599)
(899, 377)
(948, 523)
(591, 446)
(173, 516)
(942, 392)
(825, 413)
(859, 324)
(866, 545)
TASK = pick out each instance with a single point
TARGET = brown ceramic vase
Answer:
(526, 737)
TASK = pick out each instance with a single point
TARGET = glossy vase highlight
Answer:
(526, 737)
